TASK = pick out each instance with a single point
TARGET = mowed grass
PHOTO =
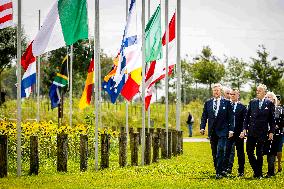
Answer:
(193, 169)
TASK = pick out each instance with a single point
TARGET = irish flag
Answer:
(66, 23)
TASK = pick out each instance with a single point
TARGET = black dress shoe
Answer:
(224, 174)
(240, 174)
(229, 171)
(218, 176)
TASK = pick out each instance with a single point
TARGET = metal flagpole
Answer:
(126, 105)
(178, 108)
(71, 86)
(97, 62)
(149, 109)
(38, 77)
(19, 108)
(167, 71)
(143, 82)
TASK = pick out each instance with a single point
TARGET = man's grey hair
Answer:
(262, 86)
(217, 85)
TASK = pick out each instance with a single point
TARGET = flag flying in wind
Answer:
(66, 22)
(153, 51)
(29, 77)
(6, 13)
(87, 93)
(60, 81)
(129, 55)
(153, 33)
(157, 70)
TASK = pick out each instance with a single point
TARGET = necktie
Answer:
(215, 106)
(259, 104)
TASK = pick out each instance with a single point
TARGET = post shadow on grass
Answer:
(3, 156)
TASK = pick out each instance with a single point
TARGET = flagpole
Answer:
(71, 86)
(38, 77)
(19, 108)
(166, 75)
(178, 108)
(126, 105)
(143, 82)
(149, 108)
(97, 62)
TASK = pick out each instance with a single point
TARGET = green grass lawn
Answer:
(193, 169)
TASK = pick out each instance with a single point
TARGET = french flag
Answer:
(28, 63)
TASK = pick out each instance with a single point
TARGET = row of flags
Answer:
(67, 22)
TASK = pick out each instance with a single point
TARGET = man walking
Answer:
(239, 113)
(218, 112)
(259, 123)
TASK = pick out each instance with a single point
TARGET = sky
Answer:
(232, 28)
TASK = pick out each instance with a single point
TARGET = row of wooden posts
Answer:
(155, 140)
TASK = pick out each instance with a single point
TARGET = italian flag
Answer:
(66, 23)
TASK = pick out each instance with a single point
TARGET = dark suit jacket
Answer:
(260, 122)
(239, 116)
(222, 123)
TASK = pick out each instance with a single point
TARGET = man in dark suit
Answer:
(239, 113)
(218, 112)
(258, 125)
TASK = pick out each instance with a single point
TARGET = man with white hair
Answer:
(218, 112)
(259, 122)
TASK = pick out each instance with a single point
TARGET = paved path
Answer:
(195, 139)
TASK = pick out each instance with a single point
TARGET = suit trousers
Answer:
(256, 162)
(239, 143)
(218, 147)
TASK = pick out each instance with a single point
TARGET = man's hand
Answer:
(243, 134)
(231, 134)
(202, 131)
(270, 136)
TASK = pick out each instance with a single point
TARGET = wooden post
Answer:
(155, 147)
(3, 156)
(163, 144)
(139, 130)
(159, 131)
(174, 142)
(131, 131)
(104, 151)
(170, 144)
(147, 154)
(123, 149)
(83, 152)
(134, 151)
(180, 143)
(34, 159)
(62, 152)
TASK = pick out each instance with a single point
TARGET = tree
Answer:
(265, 71)
(186, 80)
(8, 47)
(82, 54)
(236, 73)
(206, 68)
